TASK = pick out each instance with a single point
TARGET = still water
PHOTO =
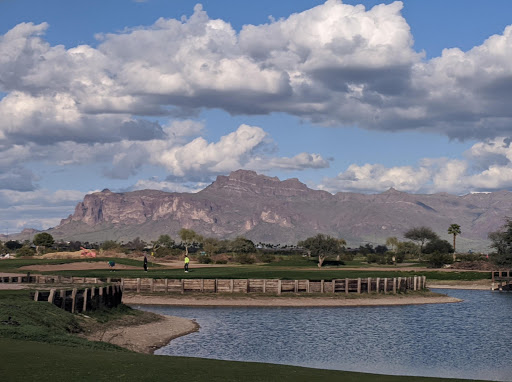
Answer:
(471, 339)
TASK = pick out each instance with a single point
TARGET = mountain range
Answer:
(266, 209)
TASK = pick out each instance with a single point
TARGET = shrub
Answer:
(204, 260)
(266, 258)
(245, 258)
(221, 261)
(437, 259)
(25, 251)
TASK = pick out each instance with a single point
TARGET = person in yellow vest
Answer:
(187, 260)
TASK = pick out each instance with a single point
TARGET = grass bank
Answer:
(39, 341)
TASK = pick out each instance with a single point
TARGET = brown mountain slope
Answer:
(266, 209)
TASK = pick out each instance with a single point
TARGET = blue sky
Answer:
(355, 96)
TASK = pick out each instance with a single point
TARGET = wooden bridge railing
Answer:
(502, 280)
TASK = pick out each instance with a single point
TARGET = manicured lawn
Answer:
(263, 272)
(23, 360)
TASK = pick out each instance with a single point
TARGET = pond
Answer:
(471, 339)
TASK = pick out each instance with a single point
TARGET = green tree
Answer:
(421, 235)
(13, 245)
(502, 242)
(438, 245)
(164, 241)
(322, 246)
(188, 238)
(43, 239)
(392, 242)
(242, 245)
(454, 229)
(211, 245)
(110, 245)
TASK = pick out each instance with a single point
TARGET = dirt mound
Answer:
(474, 265)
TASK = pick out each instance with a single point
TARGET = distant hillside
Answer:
(266, 209)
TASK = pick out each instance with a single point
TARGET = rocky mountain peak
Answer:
(249, 182)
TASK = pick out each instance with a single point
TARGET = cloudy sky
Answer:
(353, 96)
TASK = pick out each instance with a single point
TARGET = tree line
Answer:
(422, 243)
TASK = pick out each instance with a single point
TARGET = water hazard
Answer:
(472, 339)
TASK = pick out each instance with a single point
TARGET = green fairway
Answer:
(284, 273)
(293, 269)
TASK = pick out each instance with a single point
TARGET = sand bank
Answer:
(133, 299)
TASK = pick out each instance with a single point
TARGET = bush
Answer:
(245, 258)
(471, 257)
(204, 260)
(221, 261)
(437, 259)
(25, 251)
(266, 258)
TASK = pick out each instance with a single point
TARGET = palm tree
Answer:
(454, 230)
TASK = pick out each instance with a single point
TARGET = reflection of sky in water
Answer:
(472, 339)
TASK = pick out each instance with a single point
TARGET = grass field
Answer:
(286, 270)
(39, 342)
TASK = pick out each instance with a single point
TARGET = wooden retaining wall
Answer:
(45, 279)
(502, 280)
(78, 300)
(275, 286)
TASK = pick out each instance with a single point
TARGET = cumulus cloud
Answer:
(487, 167)
(40, 209)
(334, 64)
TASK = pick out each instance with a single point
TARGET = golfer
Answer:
(187, 260)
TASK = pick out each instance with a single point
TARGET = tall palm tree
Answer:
(454, 230)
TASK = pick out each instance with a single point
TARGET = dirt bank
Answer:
(143, 337)
(134, 299)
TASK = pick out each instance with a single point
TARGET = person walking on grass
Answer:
(112, 265)
(145, 263)
(187, 260)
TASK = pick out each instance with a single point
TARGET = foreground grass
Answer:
(38, 341)
(24, 360)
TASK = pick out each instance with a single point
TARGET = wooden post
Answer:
(231, 285)
(394, 285)
(73, 300)
(333, 285)
(247, 286)
(359, 285)
(138, 284)
(166, 285)
(385, 285)
(62, 294)
(296, 287)
(264, 285)
(378, 285)
(152, 285)
(399, 282)
(346, 286)
(182, 286)
(51, 297)
(36, 295)
(369, 284)
(279, 287)
(322, 288)
(308, 287)
(415, 283)
(86, 296)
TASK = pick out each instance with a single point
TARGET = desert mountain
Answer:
(269, 210)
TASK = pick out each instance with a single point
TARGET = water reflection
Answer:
(471, 339)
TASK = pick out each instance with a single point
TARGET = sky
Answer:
(352, 96)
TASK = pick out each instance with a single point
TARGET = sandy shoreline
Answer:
(285, 302)
(146, 338)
